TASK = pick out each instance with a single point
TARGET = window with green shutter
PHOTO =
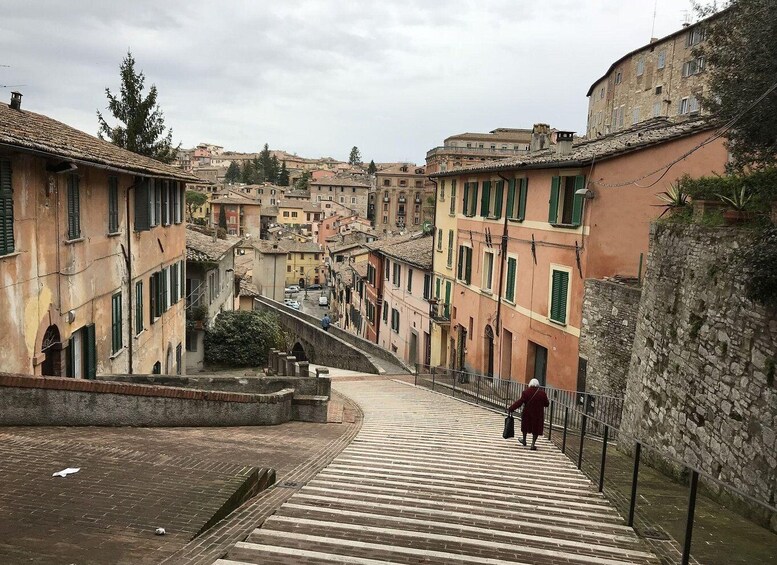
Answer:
(90, 352)
(153, 309)
(453, 197)
(465, 264)
(142, 209)
(157, 202)
(500, 189)
(116, 337)
(437, 284)
(138, 307)
(165, 203)
(485, 199)
(6, 208)
(558, 296)
(553, 203)
(439, 239)
(410, 280)
(113, 205)
(523, 188)
(512, 265)
(73, 207)
(385, 311)
(450, 248)
(164, 283)
(510, 212)
(566, 205)
(473, 199)
(174, 283)
(465, 201)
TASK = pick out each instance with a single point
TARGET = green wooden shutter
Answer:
(138, 307)
(524, 188)
(141, 204)
(474, 207)
(165, 192)
(69, 361)
(577, 203)
(460, 264)
(437, 288)
(113, 205)
(90, 348)
(559, 291)
(465, 207)
(510, 199)
(510, 293)
(553, 204)
(453, 196)
(6, 208)
(468, 254)
(73, 208)
(500, 189)
(450, 248)
(485, 198)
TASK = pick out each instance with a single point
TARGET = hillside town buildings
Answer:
(466, 149)
(92, 241)
(400, 197)
(350, 191)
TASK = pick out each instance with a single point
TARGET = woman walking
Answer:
(534, 400)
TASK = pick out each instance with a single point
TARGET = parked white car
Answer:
(292, 289)
(292, 303)
(323, 300)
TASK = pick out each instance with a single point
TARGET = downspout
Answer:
(503, 259)
(431, 281)
(130, 309)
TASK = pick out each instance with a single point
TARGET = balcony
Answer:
(439, 312)
(476, 151)
(401, 213)
(402, 200)
(386, 199)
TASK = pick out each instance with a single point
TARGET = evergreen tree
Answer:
(194, 200)
(141, 127)
(233, 173)
(247, 172)
(259, 171)
(283, 176)
(355, 158)
(304, 181)
(275, 170)
(372, 169)
(222, 216)
(741, 59)
(265, 162)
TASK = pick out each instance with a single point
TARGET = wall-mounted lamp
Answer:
(70, 316)
(586, 193)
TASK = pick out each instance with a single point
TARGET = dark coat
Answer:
(534, 402)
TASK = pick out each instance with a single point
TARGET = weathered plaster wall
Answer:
(702, 373)
(607, 334)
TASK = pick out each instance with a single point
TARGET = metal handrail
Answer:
(584, 417)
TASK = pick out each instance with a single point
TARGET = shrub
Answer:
(242, 339)
(760, 259)
(760, 185)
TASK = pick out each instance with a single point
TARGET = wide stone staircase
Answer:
(430, 480)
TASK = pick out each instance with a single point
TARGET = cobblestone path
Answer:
(430, 480)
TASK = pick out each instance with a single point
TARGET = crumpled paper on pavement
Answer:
(66, 472)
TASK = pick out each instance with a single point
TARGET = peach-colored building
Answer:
(243, 215)
(405, 329)
(401, 198)
(92, 242)
(531, 230)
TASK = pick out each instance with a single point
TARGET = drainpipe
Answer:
(503, 254)
(431, 282)
(130, 309)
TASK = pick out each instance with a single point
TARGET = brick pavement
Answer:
(133, 480)
(429, 480)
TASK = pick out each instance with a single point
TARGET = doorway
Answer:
(507, 355)
(539, 357)
(460, 354)
(413, 353)
(489, 348)
(52, 349)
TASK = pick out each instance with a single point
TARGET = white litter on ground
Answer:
(66, 472)
(160, 531)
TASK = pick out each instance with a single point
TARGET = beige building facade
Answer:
(401, 194)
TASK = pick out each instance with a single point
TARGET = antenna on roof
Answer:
(653, 29)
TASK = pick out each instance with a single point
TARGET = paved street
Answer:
(429, 480)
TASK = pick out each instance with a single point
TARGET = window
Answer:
(174, 278)
(470, 204)
(153, 297)
(558, 296)
(661, 60)
(395, 320)
(427, 286)
(488, 271)
(566, 207)
(385, 311)
(516, 199)
(659, 89)
(453, 197)
(157, 369)
(371, 274)
(353, 200)
(410, 280)
(512, 264)
(419, 184)
(442, 191)
(294, 214)
(439, 240)
(116, 323)
(618, 77)
(693, 105)
(138, 307)
(178, 202)
(113, 205)
(491, 199)
(635, 116)
(157, 204)
(693, 67)
(397, 274)
(386, 182)
(386, 268)
(601, 97)
(695, 36)
(165, 203)
(73, 207)
(6, 208)
(464, 272)
(285, 214)
(450, 249)
(656, 109)
(640, 67)
(684, 106)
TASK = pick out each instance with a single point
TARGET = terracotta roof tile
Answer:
(201, 248)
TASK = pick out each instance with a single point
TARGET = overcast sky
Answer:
(394, 77)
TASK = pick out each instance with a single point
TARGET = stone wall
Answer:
(607, 334)
(702, 374)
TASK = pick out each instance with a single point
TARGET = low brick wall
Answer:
(51, 401)
(247, 384)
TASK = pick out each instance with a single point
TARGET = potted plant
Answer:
(737, 203)
(198, 314)
(674, 199)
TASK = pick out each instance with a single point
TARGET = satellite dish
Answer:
(427, 227)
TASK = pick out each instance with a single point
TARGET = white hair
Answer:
(534, 382)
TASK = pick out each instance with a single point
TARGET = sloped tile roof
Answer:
(645, 134)
(200, 248)
(27, 130)
(417, 252)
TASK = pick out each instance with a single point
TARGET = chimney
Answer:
(564, 142)
(16, 101)
(540, 137)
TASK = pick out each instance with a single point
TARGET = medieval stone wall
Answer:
(701, 381)
(607, 334)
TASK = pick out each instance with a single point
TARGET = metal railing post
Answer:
(564, 435)
(604, 457)
(582, 439)
(454, 386)
(432, 380)
(550, 425)
(689, 524)
(635, 477)
(477, 391)
(415, 382)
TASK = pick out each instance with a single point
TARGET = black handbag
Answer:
(509, 430)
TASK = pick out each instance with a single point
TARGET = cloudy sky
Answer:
(315, 77)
